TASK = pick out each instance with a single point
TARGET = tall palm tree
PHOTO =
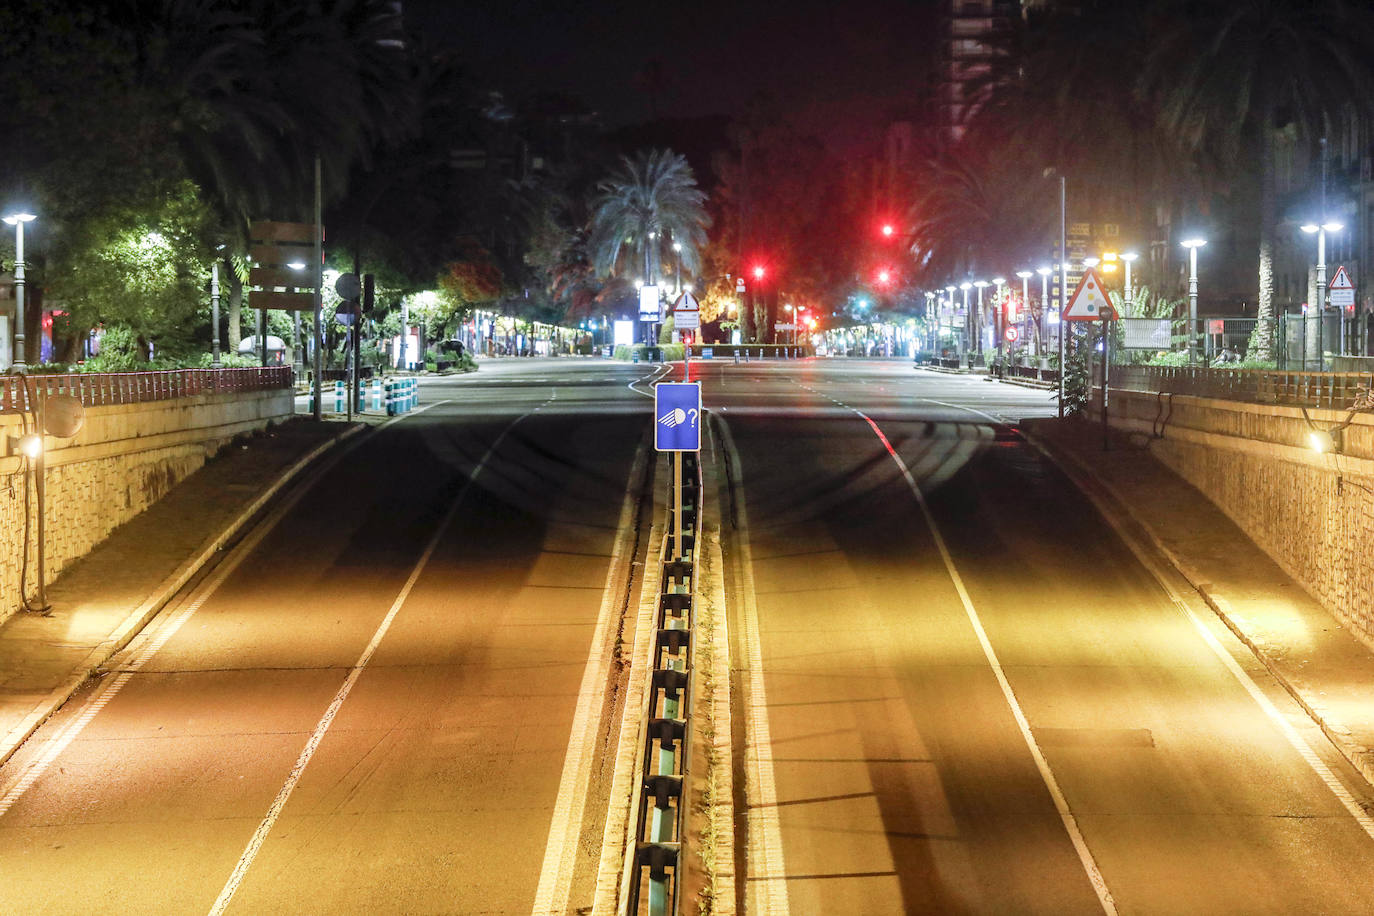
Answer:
(650, 201)
(1228, 74)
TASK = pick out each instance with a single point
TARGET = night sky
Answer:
(835, 69)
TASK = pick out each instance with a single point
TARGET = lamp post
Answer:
(1330, 225)
(1192, 244)
(677, 267)
(1129, 258)
(980, 285)
(1025, 276)
(964, 338)
(17, 220)
(1042, 327)
(214, 313)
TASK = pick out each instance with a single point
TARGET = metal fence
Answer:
(19, 393)
(1340, 390)
(1299, 340)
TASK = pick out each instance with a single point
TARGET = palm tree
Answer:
(1228, 74)
(650, 202)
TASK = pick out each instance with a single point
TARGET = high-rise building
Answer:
(973, 37)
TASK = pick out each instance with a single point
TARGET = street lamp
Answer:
(1129, 259)
(964, 337)
(980, 285)
(1192, 244)
(17, 220)
(677, 249)
(1045, 310)
(1321, 231)
(1025, 276)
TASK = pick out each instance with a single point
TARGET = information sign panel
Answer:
(677, 416)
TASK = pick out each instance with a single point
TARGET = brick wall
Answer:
(124, 459)
(1312, 512)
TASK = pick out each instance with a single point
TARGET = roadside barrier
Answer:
(374, 394)
(661, 800)
(402, 394)
(339, 397)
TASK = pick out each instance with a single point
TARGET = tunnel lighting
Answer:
(1321, 441)
(30, 446)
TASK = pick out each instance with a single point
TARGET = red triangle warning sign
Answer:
(1089, 302)
(1341, 280)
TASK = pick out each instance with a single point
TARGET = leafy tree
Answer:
(1228, 74)
(650, 202)
(142, 270)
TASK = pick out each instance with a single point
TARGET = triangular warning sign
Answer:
(1341, 280)
(1089, 302)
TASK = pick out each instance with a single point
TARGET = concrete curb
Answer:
(142, 615)
(1092, 486)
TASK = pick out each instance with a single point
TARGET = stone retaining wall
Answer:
(125, 458)
(1312, 512)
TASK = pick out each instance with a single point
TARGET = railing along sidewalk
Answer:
(1339, 390)
(18, 393)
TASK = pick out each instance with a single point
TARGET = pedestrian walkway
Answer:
(1328, 671)
(101, 602)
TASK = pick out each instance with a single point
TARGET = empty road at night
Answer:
(954, 689)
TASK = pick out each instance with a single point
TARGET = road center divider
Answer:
(656, 863)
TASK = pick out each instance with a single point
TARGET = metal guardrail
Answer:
(96, 389)
(1339, 390)
(661, 799)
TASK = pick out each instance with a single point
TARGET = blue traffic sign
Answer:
(677, 416)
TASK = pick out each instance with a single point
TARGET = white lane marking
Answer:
(766, 867)
(560, 853)
(651, 377)
(1303, 748)
(111, 688)
(1070, 822)
(270, 819)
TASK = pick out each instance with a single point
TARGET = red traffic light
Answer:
(758, 272)
(888, 230)
(884, 276)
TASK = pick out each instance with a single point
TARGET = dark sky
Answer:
(834, 68)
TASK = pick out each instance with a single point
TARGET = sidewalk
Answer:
(102, 601)
(1326, 669)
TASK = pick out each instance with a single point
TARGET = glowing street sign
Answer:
(1341, 290)
(687, 313)
(677, 417)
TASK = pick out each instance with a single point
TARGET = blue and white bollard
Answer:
(391, 397)
(374, 389)
(338, 397)
(414, 399)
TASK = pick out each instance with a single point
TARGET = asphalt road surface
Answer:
(978, 700)
(445, 577)
(955, 689)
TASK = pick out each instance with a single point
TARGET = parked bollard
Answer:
(338, 397)
(374, 390)
(391, 397)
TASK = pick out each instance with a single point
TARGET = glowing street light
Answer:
(1129, 259)
(17, 220)
(1321, 256)
(1192, 244)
